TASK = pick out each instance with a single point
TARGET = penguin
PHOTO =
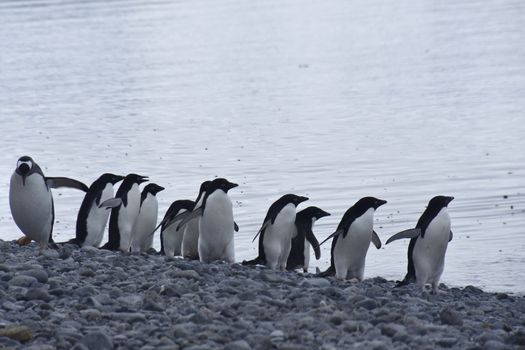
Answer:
(304, 237)
(170, 233)
(91, 219)
(275, 234)
(142, 239)
(31, 200)
(428, 244)
(124, 211)
(216, 224)
(352, 238)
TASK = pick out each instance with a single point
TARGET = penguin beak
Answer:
(450, 199)
(380, 202)
(231, 185)
(23, 170)
(160, 188)
(322, 214)
(301, 199)
(142, 179)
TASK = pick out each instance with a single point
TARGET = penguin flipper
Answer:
(410, 233)
(190, 216)
(335, 234)
(328, 272)
(263, 227)
(309, 235)
(111, 203)
(235, 227)
(56, 182)
(375, 240)
(450, 236)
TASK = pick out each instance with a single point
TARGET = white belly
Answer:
(97, 219)
(31, 206)
(277, 239)
(145, 224)
(216, 229)
(190, 241)
(172, 238)
(429, 252)
(350, 251)
(127, 217)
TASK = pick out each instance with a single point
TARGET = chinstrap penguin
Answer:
(31, 200)
(142, 239)
(352, 238)
(275, 234)
(304, 238)
(428, 244)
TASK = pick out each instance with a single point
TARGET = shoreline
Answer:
(94, 299)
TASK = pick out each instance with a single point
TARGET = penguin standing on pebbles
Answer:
(125, 209)
(142, 239)
(275, 235)
(31, 200)
(352, 239)
(428, 244)
(170, 232)
(91, 219)
(304, 238)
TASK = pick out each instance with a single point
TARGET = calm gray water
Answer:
(334, 100)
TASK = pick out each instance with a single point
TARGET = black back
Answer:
(303, 224)
(150, 188)
(434, 207)
(91, 198)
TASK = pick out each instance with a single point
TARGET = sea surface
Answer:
(334, 100)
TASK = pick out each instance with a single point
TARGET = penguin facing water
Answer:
(304, 238)
(428, 244)
(142, 239)
(91, 219)
(31, 200)
(275, 234)
(352, 238)
(171, 234)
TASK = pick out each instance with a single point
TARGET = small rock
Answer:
(8, 343)
(20, 333)
(450, 317)
(238, 345)
(128, 316)
(391, 329)
(270, 277)
(97, 341)
(494, 345)
(447, 342)
(91, 314)
(40, 275)
(472, 290)
(50, 254)
(517, 338)
(38, 294)
(316, 282)
(22, 281)
(85, 291)
(277, 335)
(86, 272)
(186, 274)
(367, 303)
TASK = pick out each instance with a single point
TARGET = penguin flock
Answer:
(204, 229)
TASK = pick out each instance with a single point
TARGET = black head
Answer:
(366, 203)
(134, 178)
(439, 202)
(110, 178)
(152, 188)
(314, 213)
(294, 199)
(24, 165)
(221, 184)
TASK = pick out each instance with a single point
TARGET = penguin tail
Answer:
(327, 273)
(256, 261)
(107, 246)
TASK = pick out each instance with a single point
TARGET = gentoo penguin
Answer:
(171, 234)
(304, 237)
(275, 235)
(124, 212)
(31, 200)
(142, 239)
(352, 239)
(91, 219)
(216, 223)
(428, 244)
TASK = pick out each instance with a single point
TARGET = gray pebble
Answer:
(316, 282)
(40, 275)
(38, 294)
(23, 281)
(238, 345)
(451, 317)
(50, 254)
(495, 345)
(97, 341)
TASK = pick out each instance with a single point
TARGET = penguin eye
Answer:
(26, 162)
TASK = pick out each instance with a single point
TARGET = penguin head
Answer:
(294, 199)
(152, 188)
(135, 178)
(440, 201)
(221, 184)
(24, 166)
(110, 178)
(366, 203)
(205, 186)
(314, 213)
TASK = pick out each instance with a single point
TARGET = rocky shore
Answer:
(95, 299)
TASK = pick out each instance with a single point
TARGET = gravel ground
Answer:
(94, 299)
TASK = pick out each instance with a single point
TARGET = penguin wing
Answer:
(111, 203)
(309, 235)
(335, 235)
(376, 240)
(235, 227)
(410, 233)
(56, 182)
(190, 216)
(450, 236)
(263, 227)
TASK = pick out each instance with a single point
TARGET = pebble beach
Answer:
(88, 298)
